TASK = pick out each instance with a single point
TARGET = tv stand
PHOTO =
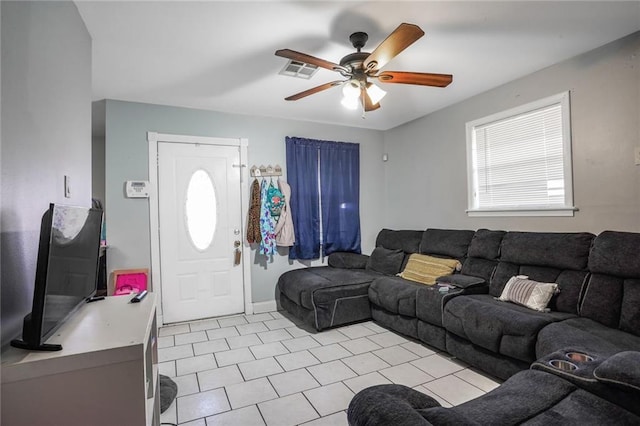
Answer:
(107, 373)
(46, 347)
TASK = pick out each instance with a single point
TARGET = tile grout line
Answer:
(318, 385)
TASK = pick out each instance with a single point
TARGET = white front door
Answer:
(200, 227)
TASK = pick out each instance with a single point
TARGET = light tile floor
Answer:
(268, 369)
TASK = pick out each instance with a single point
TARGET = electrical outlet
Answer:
(67, 186)
(637, 155)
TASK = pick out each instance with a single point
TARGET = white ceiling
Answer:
(220, 55)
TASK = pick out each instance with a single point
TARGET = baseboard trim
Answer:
(261, 307)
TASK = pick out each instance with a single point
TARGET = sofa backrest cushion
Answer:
(616, 253)
(386, 261)
(407, 241)
(347, 260)
(450, 243)
(612, 295)
(483, 253)
(556, 250)
(547, 257)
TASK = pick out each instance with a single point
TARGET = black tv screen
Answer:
(66, 272)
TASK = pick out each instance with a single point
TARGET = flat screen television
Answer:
(66, 272)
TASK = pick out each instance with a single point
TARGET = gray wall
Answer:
(46, 134)
(427, 175)
(127, 159)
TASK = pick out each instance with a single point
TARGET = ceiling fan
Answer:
(360, 67)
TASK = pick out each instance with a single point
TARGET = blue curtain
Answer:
(339, 195)
(302, 174)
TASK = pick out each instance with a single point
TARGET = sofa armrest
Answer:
(621, 370)
(347, 260)
(461, 281)
(384, 405)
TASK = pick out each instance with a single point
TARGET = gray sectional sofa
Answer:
(609, 396)
(598, 306)
(597, 310)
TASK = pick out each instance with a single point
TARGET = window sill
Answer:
(534, 212)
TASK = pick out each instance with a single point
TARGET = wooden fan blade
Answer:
(401, 38)
(308, 59)
(366, 101)
(313, 90)
(421, 78)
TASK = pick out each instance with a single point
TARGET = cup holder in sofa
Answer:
(576, 365)
(579, 357)
(563, 365)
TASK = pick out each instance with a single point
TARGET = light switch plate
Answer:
(637, 155)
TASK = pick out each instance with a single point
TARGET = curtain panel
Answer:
(325, 200)
(302, 173)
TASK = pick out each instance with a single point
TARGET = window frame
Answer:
(568, 209)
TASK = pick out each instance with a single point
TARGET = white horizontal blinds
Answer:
(519, 161)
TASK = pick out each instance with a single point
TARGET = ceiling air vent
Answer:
(299, 69)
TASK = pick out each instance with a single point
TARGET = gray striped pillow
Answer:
(532, 294)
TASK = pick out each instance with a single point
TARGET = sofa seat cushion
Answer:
(300, 285)
(395, 295)
(586, 335)
(501, 327)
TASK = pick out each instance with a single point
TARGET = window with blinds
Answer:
(519, 161)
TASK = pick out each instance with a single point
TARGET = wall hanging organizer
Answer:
(267, 171)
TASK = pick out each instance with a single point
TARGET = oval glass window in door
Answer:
(200, 209)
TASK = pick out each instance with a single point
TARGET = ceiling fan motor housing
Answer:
(354, 61)
(358, 39)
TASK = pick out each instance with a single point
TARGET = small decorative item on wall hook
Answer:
(263, 171)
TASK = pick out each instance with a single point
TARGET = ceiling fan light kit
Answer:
(351, 89)
(360, 66)
(375, 93)
(350, 103)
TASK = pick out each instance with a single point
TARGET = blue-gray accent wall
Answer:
(127, 158)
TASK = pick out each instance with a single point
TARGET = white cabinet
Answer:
(106, 373)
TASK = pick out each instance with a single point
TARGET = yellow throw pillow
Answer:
(425, 269)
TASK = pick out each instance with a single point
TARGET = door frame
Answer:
(154, 139)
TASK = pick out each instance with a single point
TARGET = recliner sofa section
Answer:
(415, 309)
(480, 262)
(393, 299)
(500, 337)
(609, 312)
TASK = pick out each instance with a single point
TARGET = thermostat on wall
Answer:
(137, 188)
